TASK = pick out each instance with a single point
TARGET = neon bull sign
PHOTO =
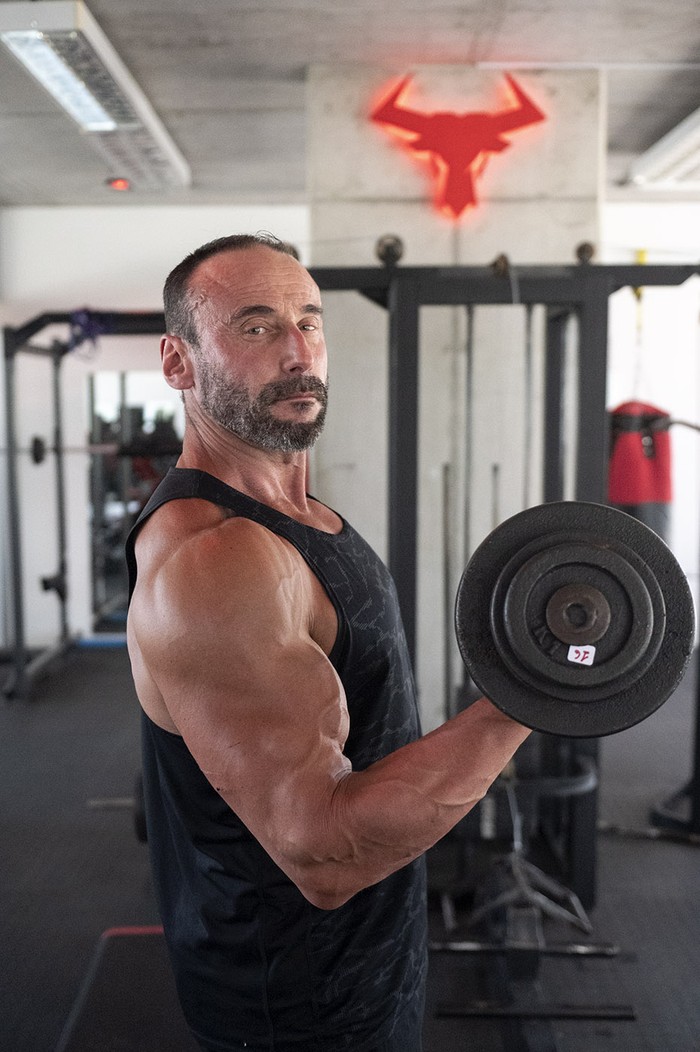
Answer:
(456, 145)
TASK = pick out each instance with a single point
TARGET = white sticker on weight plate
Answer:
(582, 655)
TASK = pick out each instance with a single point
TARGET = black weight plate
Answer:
(640, 659)
(532, 650)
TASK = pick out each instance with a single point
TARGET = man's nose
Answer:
(299, 353)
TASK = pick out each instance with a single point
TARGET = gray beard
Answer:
(251, 419)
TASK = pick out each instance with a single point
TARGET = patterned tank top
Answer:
(256, 965)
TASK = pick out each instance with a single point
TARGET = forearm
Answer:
(380, 819)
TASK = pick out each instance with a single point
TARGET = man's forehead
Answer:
(254, 276)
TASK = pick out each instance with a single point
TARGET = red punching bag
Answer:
(639, 472)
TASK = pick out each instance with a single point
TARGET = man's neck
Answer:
(277, 479)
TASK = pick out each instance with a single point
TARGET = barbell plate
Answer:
(575, 619)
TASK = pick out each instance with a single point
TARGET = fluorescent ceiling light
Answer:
(44, 58)
(673, 163)
(62, 46)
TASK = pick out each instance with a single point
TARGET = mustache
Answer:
(293, 385)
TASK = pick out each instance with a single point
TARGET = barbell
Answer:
(575, 619)
(39, 449)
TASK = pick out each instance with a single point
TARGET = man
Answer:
(289, 795)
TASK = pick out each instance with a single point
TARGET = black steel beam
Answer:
(115, 323)
(481, 285)
(131, 323)
(16, 338)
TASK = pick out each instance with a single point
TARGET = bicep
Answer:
(256, 700)
(265, 732)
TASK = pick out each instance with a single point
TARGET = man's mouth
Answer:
(300, 396)
(296, 391)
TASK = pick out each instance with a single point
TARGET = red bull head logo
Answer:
(456, 145)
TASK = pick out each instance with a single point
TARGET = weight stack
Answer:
(639, 470)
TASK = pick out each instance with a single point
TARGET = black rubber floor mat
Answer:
(128, 1001)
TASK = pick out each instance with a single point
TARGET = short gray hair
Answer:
(179, 316)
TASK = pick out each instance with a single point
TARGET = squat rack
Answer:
(581, 290)
(82, 326)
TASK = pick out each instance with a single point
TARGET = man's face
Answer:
(253, 419)
(261, 362)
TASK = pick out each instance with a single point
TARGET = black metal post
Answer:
(403, 304)
(592, 450)
(590, 485)
(468, 431)
(694, 822)
(17, 683)
(58, 583)
(61, 580)
(527, 407)
(555, 356)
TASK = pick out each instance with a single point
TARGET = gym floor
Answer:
(72, 868)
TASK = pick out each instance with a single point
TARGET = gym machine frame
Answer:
(581, 291)
(83, 325)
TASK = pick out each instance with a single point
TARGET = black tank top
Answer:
(258, 968)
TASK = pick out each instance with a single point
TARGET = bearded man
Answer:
(289, 794)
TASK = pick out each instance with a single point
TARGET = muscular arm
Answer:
(226, 630)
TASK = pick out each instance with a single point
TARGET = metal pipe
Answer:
(468, 431)
(60, 482)
(528, 393)
(448, 599)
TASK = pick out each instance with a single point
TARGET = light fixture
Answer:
(63, 47)
(119, 184)
(672, 163)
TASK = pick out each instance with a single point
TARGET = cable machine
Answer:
(581, 292)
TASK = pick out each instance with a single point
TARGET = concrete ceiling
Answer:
(227, 80)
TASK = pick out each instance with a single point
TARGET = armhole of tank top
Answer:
(340, 644)
(152, 725)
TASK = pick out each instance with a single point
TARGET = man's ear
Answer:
(176, 358)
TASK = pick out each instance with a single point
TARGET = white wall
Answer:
(63, 259)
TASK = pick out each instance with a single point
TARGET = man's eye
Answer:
(256, 329)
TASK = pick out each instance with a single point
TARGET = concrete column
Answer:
(538, 200)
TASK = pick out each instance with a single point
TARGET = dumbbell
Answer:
(575, 619)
